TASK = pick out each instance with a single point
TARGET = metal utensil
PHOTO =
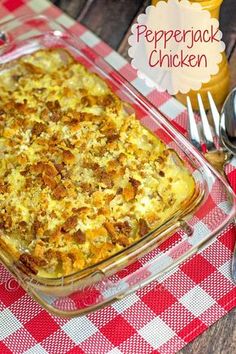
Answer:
(228, 139)
(218, 152)
(215, 153)
(228, 125)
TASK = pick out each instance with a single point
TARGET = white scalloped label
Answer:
(176, 46)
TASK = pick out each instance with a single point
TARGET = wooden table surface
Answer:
(111, 20)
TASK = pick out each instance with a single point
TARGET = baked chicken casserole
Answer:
(80, 177)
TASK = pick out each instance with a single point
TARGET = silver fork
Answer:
(215, 153)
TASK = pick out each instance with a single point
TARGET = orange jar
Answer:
(218, 85)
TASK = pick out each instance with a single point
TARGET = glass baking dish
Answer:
(211, 208)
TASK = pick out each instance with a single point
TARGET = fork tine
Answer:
(215, 114)
(205, 125)
(193, 129)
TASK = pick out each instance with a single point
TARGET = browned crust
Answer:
(52, 172)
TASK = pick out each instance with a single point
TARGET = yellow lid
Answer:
(213, 6)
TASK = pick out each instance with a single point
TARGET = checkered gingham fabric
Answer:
(160, 318)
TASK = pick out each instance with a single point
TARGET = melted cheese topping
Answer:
(80, 178)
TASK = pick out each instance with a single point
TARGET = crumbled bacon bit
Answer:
(55, 116)
(55, 140)
(105, 178)
(70, 223)
(40, 262)
(37, 168)
(36, 226)
(119, 190)
(50, 169)
(3, 188)
(108, 181)
(161, 173)
(49, 181)
(66, 174)
(80, 210)
(54, 108)
(28, 261)
(105, 211)
(23, 225)
(123, 227)
(111, 230)
(108, 130)
(123, 240)
(49, 254)
(59, 167)
(7, 221)
(28, 182)
(21, 107)
(112, 137)
(80, 236)
(143, 227)
(108, 100)
(44, 114)
(87, 101)
(38, 128)
(53, 215)
(94, 166)
(86, 187)
(1, 112)
(59, 192)
(74, 123)
(57, 104)
(69, 144)
(53, 105)
(135, 183)
(68, 157)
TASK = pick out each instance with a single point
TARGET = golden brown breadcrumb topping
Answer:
(80, 177)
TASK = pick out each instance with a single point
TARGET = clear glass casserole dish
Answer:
(211, 208)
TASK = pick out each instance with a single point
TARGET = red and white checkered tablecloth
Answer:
(160, 318)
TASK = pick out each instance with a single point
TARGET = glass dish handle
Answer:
(43, 24)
